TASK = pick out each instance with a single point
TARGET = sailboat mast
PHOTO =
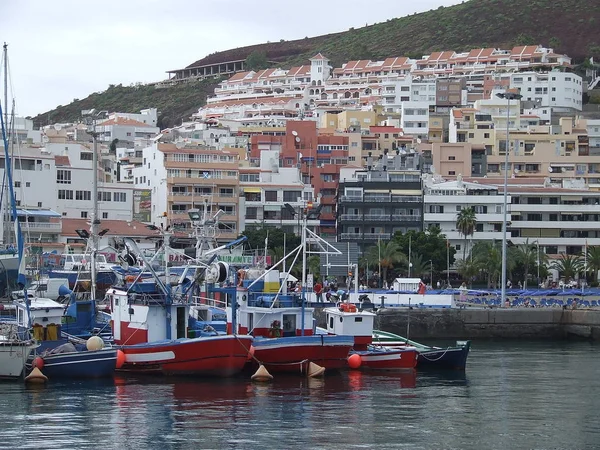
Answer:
(95, 218)
(5, 50)
(303, 292)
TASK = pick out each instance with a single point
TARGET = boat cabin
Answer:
(80, 261)
(44, 318)
(347, 320)
(262, 310)
(141, 313)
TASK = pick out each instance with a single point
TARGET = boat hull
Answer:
(81, 364)
(454, 358)
(388, 359)
(13, 357)
(293, 354)
(436, 358)
(214, 356)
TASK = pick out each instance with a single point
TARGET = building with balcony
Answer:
(375, 202)
(266, 190)
(559, 217)
(443, 201)
(181, 177)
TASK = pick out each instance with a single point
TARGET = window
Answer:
(86, 156)
(64, 194)
(291, 196)
(486, 135)
(104, 196)
(39, 204)
(451, 172)
(438, 209)
(119, 196)
(270, 196)
(451, 158)
(63, 176)
(17, 184)
(105, 215)
(83, 195)
(84, 214)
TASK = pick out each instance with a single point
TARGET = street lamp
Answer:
(510, 94)
(431, 274)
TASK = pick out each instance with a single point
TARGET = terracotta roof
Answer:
(250, 101)
(238, 76)
(123, 121)
(318, 56)
(115, 227)
(299, 71)
(62, 161)
(457, 113)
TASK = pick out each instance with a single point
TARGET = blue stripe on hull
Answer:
(85, 364)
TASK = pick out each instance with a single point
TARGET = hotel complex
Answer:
(379, 146)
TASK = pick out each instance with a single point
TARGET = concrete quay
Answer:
(509, 323)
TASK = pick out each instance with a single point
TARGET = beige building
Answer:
(347, 120)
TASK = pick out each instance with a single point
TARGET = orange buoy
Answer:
(354, 361)
(38, 362)
(120, 359)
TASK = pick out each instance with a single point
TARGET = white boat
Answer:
(13, 352)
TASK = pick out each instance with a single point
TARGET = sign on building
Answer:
(142, 205)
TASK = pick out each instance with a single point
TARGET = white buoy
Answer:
(94, 343)
(262, 374)
(314, 370)
(36, 377)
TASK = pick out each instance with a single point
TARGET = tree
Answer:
(430, 245)
(467, 268)
(257, 60)
(568, 266)
(593, 261)
(256, 239)
(387, 254)
(420, 267)
(465, 224)
(526, 254)
(487, 256)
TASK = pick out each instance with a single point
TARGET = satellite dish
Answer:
(295, 133)
(516, 170)
(550, 169)
(563, 169)
(297, 139)
(401, 133)
(432, 169)
(179, 144)
(418, 140)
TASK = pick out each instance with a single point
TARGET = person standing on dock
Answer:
(318, 289)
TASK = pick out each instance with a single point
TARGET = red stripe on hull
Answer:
(220, 356)
(393, 360)
(296, 359)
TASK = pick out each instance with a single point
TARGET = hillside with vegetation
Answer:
(568, 26)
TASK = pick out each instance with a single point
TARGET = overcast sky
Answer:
(65, 49)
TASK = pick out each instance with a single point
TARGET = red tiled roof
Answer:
(318, 56)
(124, 121)
(115, 227)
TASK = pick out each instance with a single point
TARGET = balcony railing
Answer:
(378, 217)
(376, 236)
(351, 236)
(351, 217)
(41, 226)
(405, 218)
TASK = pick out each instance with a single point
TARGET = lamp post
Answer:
(510, 94)
(431, 272)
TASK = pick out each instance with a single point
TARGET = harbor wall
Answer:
(532, 323)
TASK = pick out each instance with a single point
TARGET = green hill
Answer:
(568, 26)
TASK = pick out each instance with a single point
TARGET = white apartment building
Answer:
(152, 174)
(415, 118)
(443, 201)
(593, 131)
(266, 191)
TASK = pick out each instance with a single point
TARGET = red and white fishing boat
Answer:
(347, 320)
(150, 323)
(281, 323)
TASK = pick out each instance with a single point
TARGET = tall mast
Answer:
(5, 47)
(95, 218)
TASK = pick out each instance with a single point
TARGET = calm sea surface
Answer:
(514, 395)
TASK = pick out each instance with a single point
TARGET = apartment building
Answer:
(376, 201)
(443, 201)
(181, 177)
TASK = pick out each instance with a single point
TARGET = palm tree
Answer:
(386, 254)
(526, 254)
(467, 268)
(593, 261)
(465, 224)
(487, 256)
(568, 266)
(419, 267)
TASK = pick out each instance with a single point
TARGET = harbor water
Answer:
(514, 394)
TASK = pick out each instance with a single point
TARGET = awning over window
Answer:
(254, 190)
(37, 213)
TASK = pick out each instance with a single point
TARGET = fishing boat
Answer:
(151, 323)
(345, 319)
(282, 324)
(454, 357)
(77, 269)
(14, 352)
